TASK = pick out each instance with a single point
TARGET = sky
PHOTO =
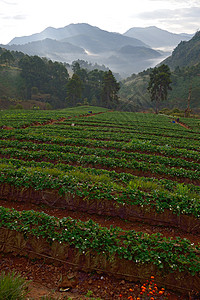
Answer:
(26, 17)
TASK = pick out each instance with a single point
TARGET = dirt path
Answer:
(182, 124)
(49, 280)
(51, 122)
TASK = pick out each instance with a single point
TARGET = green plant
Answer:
(89, 293)
(12, 286)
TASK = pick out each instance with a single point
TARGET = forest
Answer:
(46, 84)
(24, 77)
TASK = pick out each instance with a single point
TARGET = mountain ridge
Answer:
(157, 37)
(117, 51)
(66, 32)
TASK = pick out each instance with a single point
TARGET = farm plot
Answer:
(138, 167)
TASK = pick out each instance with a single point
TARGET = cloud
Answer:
(185, 3)
(19, 17)
(8, 2)
(171, 18)
(181, 20)
(16, 17)
(167, 14)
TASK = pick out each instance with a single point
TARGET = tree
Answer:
(110, 88)
(74, 89)
(6, 57)
(159, 84)
(58, 77)
(33, 71)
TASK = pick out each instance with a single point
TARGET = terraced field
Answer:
(109, 192)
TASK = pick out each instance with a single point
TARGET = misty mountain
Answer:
(156, 37)
(74, 30)
(49, 48)
(185, 54)
(122, 54)
(45, 46)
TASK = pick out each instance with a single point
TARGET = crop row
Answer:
(150, 131)
(166, 253)
(123, 137)
(100, 175)
(77, 184)
(158, 130)
(19, 118)
(133, 145)
(45, 134)
(167, 161)
(105, 176)
(95, 161)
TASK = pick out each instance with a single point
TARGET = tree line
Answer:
(48, 81)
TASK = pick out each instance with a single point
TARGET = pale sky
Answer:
(25, 17)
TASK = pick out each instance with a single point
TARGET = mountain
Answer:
(156, 37)
(74, 30)
(49, 48)
(122, 54)
(185, 54)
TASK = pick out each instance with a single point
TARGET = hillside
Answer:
(31, 78)
(185, 54)
(185, 67)
(134, 89)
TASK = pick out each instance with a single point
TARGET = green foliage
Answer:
(166, 254)
(185, 54)
(183, 77)
(12, 286)
(46, 81)
(74, 89)
(46, 76)
(6, 57)
(89, 293)
(110, 88)
(159, 84)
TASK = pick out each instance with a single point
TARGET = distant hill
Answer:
(156, 37)
(75, 30)
(185, 66)
(85, 42)
(123, 53)
(185, 54)
(52, 49)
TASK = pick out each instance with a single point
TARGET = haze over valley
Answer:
(131, 52)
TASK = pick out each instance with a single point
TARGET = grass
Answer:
(12, 286)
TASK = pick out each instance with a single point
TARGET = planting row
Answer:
(125, 179)
(133, 145)
(101, 188)
(73, 132)
(129, 157)
(159, 132)
(166, 253)
(100, 175)
(19, 118)
(103, 162)
(139, 128)
(70, 132)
